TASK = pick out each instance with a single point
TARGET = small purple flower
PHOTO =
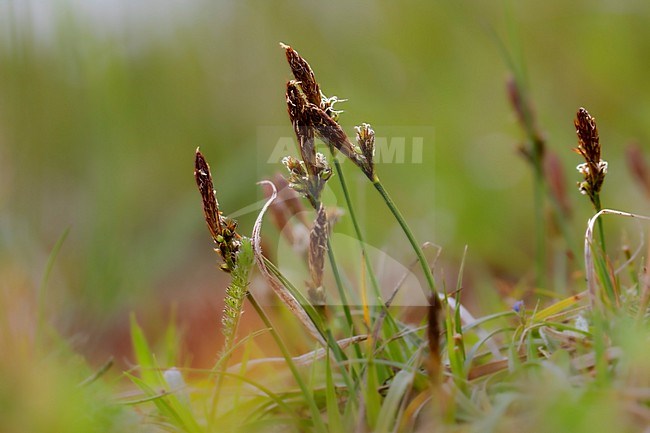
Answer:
(518, 306)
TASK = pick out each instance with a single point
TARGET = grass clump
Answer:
(564, 363)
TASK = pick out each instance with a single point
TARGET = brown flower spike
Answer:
(304, 74)
(594, 168)
(296, 107)
(206, 188)
(223, 230)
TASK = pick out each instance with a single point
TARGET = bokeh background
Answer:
(103, 102)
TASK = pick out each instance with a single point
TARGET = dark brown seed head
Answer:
(206, 188)
(594, 168)
(330, 132)
(304, 74)
(588, 141)
(296, 103)
(223, 230)
(296, 106)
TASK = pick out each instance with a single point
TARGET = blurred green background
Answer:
(103, 103)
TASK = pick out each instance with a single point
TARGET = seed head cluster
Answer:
(223, 229)
(594, 168)
(312, 113)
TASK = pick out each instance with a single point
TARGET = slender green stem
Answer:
(393, 328)
(601, 231)
(601, 258)
(536, 154)
(540, 226)
(223, 362)
(339, 282)
(307, 393)
(344, 300)
(409, 234)
(362, 245)
(236, 292)
(234, 301)
(357, 228)
(341, 289)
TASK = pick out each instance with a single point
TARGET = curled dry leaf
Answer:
(285, 296)
(302, 360)
(589, 236)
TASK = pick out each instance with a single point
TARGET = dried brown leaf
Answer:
(285, 296)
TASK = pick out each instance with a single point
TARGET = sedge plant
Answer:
(526, 365)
